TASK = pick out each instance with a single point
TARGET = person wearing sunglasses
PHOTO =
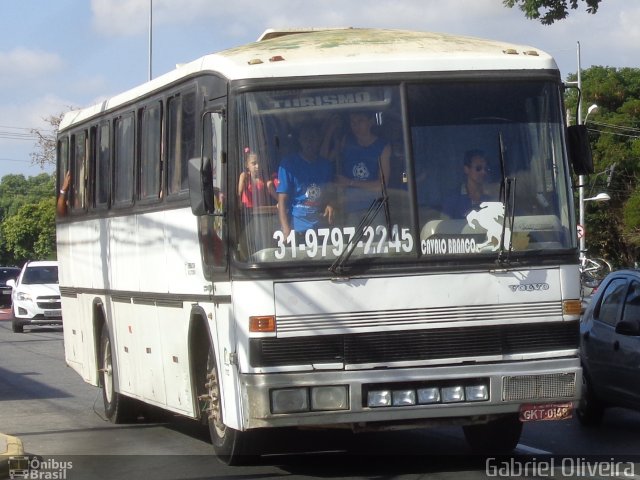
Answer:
(472, 191)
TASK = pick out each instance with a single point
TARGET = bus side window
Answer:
(181, 139)
(63, 160)
(124, 160)
(213, 228)
(150, 161)
(79, 170)
(102, 170)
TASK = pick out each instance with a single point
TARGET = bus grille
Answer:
(415, 345)
(539, 386)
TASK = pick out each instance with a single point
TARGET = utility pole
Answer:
(581, 178)
(150, 37)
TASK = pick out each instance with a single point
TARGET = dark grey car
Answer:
(7, 273)
(610, 347)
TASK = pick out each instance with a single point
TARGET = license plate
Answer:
(52, 313)
(6, 292)
(531, 412)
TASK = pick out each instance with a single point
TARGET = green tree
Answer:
(21, 197)
(16, 190)
(549, 11)
(31, 232)
(613, 228)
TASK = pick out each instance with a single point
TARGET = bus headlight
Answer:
(289, 400)
(452, 394)
(329, 398)
(403, 397)
(303, 399)
(379, 398)
(476, 393)
(428, 395)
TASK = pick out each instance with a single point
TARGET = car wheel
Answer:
(231, 446)
(499, 436)
(117, 408)
(590, 409)
(16, 327)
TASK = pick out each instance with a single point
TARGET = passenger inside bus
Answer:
(365, 159)
(335, 131)
(62, 203)
(305, 197)
(253, 189)
(473, 191)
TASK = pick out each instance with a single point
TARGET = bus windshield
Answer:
(392, 173)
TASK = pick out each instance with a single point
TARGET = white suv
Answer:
(36, 296)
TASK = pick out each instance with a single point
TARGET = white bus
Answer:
(180, 292)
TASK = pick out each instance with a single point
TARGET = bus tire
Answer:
(500, 436)
(231, 446)
(117, 408)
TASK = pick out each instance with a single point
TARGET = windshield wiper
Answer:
(378, 203)
(508, 197)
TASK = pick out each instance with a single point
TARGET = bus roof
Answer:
(318, 51)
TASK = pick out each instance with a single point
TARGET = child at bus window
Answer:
(253, 190)
(365, 160)
(305, 183)
(62, 203)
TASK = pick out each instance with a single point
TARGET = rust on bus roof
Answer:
(356, 41)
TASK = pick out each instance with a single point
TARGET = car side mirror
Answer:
(11, 283)
(628, 327)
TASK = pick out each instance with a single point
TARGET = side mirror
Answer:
(579, 149)
(628, 327)
(11, 283)
(201, 186)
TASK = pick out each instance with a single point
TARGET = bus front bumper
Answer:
(402, 398)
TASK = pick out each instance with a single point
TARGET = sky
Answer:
(62, 54)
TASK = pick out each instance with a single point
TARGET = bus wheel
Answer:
(117, 407)
(499, 436)
(231, 446)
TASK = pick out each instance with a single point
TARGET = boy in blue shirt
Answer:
(305, 181)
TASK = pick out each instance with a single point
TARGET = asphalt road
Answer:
(59, 419)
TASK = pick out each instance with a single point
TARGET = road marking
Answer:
(520, 448)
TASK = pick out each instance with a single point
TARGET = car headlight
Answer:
(23, 297)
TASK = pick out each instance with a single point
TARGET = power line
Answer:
(17, 136)
(15, 128)
(616, 127)
(17, 133)
(595, 130)
(14, 160)
(27, 128)
(620, 130)
(20, 133)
